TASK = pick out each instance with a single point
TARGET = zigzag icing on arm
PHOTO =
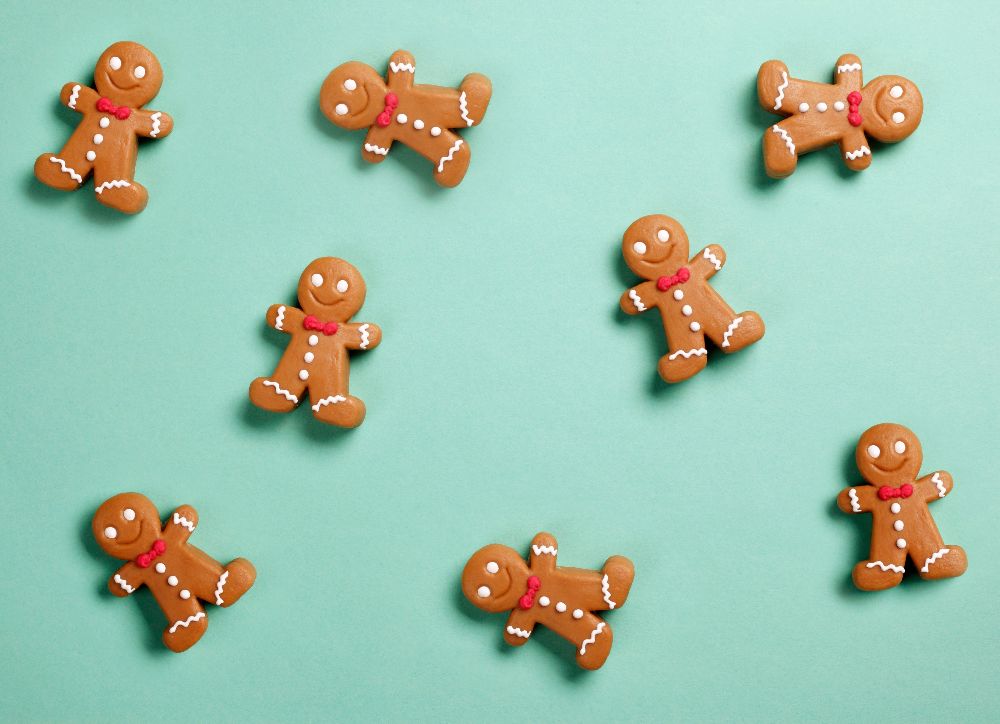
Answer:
(464, 108)
(188, 621)
(279, 391)
(365, 340)
(182, 521)
(789, 144)
(66, 169)
(713, 258)
(218, 588)
(117, 183)
(606, 590)
(936, 479)
(634, 296)
(73, 96)
(118, 579)
(730, 330)
(592, 638)
(450, 155)
(885, 566)
(331, 400)
(397, 67)
(280, 318)
(155, 118)
(864, 150)
(688, 353)
(934, 558)
(855, 503)
(781, 91)
(544, 550)
(848, 67)
(515, 631)
(376, 149)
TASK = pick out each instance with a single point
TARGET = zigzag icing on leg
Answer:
(592, 638)
(855, 503)
(118, 183)
(397, 67)
(544, 550)
(634, 296)
(363, 329)
(464, 108)
(934, 559)
(218, 588)
(787, 139)
(936, 479)
(606, 590)
(118, 579)
(280, 318)
(73, 96)
(729, 332)
(66, 169)
(377, 150)
(182, 521)
(864, 150)
(188, 621)
(848, 67)
(450, 155)
(331, 400)
(155, 118)
(515, 631)
(885, 566)
(716, 262)
(279, 391)
(688, 353)
(781, 91)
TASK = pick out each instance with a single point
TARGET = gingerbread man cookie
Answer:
(354, 96)
(127, 527)
(889, 457)
(127, 77)
(656, 248)
(331, 291)
(819, 114)
(497, 579)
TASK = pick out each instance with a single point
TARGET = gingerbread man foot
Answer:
(339, 410)
(129, 197)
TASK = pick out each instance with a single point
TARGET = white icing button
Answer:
(402, 118)
(91, 155)
(821, 107)
(578, 613)
(418, 124)
(161, 568)
(128, 514)
(678, 294)
(185, 594)
(483, 591)
(492, 567)
(560, 607)
(901, 542)
(686, 310)
(898, 117)
(543, 601)
(695, 326)
(639, 247)
(895, 507)
(111, 532)
(898, 525)
(303, 375)
(435, 131)
(350, 84)
(838, 106)
(341, 109)
(803, 107)
(663, 235)
(105, 122)
(98, 139)
(309, 357)
(874, 451)
(896, 91)
(171, 580)
(313, 340)
(899, 447)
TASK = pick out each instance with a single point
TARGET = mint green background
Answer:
(509, 394)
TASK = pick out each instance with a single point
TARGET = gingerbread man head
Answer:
(128, 74)
(891, 108)
(888, 453)
(353, 95)
(126, 525)
(331, 289)
(654, 246)
(495, 578)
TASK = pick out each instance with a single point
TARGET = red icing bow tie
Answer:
(327, 328)
(149, 556)
(853, 114)
(887, 491)
(391, 103)
(682, 275)
(528, 599)
(120, 112)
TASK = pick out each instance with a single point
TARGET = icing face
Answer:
(353, 95)
(888, 454)
(331, 289)
(128, 74)
(894, 109)
(126, 525)
(495, 578)
(654, 246)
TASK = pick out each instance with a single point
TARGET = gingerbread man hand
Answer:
(889, 457)
(497, 579)
(656, 249)
(422, 117)
(331, 291)
(127, 77)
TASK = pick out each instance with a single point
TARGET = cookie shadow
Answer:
(859, 551)
(760, 120)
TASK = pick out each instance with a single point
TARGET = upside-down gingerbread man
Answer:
(127, 77)
(179, 575)
(497, 579)
(656, 248)
(819, 114)
(331, 291)
(355, 96)
(888, 457)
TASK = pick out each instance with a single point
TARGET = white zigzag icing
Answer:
(117, 183)
(546, 550)
(378, 150)
(848, 67)
(118, 579)
(515, 631)
(364, 336)
(181, 520)
(885, 566)
(188, 621)
(396, 67)
(277, 389)
(934, 558)
(592, 638)
(855, 503)
(784, 135)
(155, 118)
(729, 332)
(636, 301)
(606, 590)
(66, 169)
(449, 156)
(716, 262)
(781, 90)
(688, 353)
(936, 479)
(331, 400)
(851, 155)
(464, 108)
(218, 588)
(73, 96)
(280, 318)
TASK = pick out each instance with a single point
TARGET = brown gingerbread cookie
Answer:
(179, 575)
(127, 77)
(819, 114)
(497, 579)
(889, 457)
(331, 291)
(656, 248)
(422, 117)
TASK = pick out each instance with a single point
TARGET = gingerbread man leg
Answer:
(687, 356)
(934, 558)
(729, 331)
(65, 170)
(186, 623)
(595, 638)
(333, 405)
(449, 154)
(210, 582)
(282, 391)
(786, 140)
(884, 567)
(460, 108)
(114, 183)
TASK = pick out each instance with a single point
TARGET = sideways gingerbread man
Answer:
(331, 291)
(844, 112)
(179, 575)
(497, 579)
(127, 77)
(422, 117)
(889, 457)
(656, 248)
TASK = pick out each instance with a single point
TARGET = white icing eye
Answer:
(341, 109)
(873, 451)
(898, 117)
(111, 532)
(317, 280)
(639, 247)
(342, 286)
(663, 235)
(483, 592)
(128, 514)
(115, 62)
(140, 72)
(350, 84)
(492, 567)
(899, 447)
(896, 91)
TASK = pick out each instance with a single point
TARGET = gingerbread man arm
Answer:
(847, 74)
(78, 97)
(181, 524)
(708, 261)
(931, 487)
(377, 144)
(284, 318)
(854, 148)
(402, 67)
(126, 580)
(543, 553)
(153, 124)
(639, 298)
(859, 499)
(519, 626)
(362, 336)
